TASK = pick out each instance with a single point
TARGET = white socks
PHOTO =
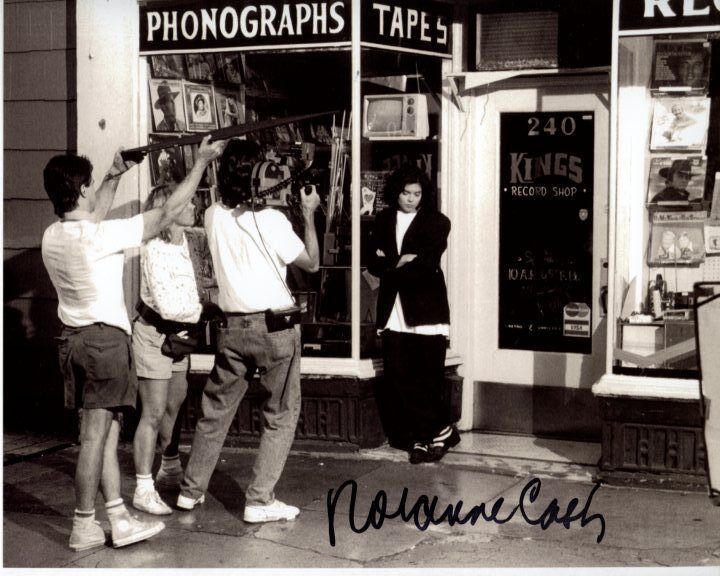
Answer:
(144, 483)
(85, 514)
(115, 508)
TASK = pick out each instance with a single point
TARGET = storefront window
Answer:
(198, 92)
(667, 198)
(400, 124)
(393, 75)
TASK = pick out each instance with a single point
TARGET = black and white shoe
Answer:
(448, 438)
(419, 453)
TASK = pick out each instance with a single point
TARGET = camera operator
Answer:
(83, 254)
(250, 250)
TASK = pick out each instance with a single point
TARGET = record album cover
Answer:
(372, 186)
(676, 180)
(680, 123)
(677, 238)
(681, 66)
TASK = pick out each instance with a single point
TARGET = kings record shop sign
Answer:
(546, 224)
(236, 25)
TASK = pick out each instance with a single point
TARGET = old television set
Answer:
(395, 117)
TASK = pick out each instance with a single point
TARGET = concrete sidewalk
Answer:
(642, 527)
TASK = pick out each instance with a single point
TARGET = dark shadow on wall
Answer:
(33, 394)
(32, 387)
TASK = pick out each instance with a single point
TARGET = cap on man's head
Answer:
(678, 166)
(164, 91)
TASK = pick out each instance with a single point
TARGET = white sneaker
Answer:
(188, 503)
(149, 501)
(86, 533)
(128, 530)
(169, 477)
(270, 512)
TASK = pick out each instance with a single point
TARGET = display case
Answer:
(666, 124)
(664, 160)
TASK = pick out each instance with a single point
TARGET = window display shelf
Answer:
(624, 385)
(666, 155)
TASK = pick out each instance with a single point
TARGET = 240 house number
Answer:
(567, 126)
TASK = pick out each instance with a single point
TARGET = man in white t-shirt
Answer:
(83, 254)
(251, 249)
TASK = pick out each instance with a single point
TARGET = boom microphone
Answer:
(137, 154)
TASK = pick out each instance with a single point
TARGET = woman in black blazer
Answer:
(413, 315)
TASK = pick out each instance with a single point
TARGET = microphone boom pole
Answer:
(136, 154)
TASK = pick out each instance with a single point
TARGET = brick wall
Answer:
(40, 121)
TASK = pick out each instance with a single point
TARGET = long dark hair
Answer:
(410, 174)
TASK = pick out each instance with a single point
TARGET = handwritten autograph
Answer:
(425, 511)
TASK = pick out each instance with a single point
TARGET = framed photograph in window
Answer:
(170, 66)
(168, 111)
(200, 67)
(680, 123)
(167, 165)
(229, 109)
(200, 107)
(229, 68)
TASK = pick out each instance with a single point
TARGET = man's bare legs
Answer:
(94, 431)
(98, 467)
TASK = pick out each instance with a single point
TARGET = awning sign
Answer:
(415, 27)
(178, 26)
(228, 24)
(641, 16)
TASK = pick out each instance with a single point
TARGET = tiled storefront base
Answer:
(336, 411)
(651, 441)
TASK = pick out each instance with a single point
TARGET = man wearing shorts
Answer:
(83, 254)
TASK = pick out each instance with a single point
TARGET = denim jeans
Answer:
(244, 346)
